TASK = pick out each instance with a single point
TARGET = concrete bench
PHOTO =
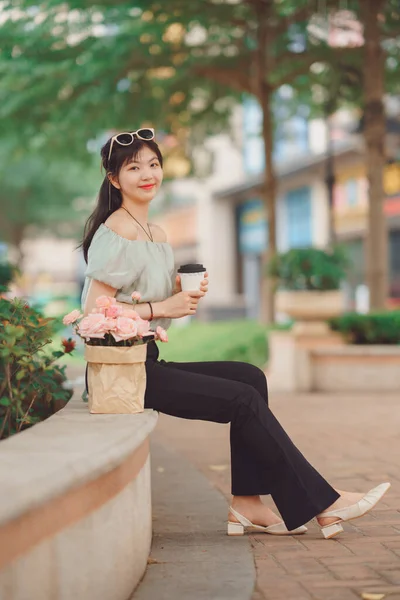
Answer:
(75, 506)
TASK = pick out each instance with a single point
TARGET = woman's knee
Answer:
(257, 379)
(247, 403)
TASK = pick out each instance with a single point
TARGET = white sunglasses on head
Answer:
(126, 138)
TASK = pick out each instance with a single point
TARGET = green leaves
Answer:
(7, 274)
(29, 378)
(374, 328)
(40, 192)
(80, 68)
(309, 269)
(20, 374)
(77, 68)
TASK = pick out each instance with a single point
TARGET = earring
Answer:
(109, 195)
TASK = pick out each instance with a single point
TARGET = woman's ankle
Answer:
(247, 500)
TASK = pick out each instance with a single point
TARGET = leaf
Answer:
(18, 351)
(218, 467)
(20, 374)
(4, 401)
(10, 329)
(153, 561)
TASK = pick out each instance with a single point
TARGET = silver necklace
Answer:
(149, 235)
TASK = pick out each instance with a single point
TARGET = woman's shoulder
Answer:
(119, 224)
(116, 223)
(158, 233)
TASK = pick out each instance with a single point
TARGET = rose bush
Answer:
(31, 381)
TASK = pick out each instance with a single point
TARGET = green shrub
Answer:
(309, 269)
(30, 381)
(374, 328)
(7, 274)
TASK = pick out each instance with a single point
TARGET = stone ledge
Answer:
(75, 508)
(353, 368)
(67, 450)
(358, 350)
(304, 363)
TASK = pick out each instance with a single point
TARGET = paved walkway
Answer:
(355, 442)
(191, 558)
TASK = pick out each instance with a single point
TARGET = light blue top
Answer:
(131, 266)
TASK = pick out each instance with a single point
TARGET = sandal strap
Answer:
(242, 520)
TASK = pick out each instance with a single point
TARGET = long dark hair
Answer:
(105, 207)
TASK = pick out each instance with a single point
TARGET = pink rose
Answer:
(92, 326)
(130, 314)
(72, 317)
(161, 334)
(110, 324)
(136, 296)
(125, 329)
(143, 327)
(105, 301)
(114, 311)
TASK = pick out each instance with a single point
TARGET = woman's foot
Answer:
(346, 499)
(249, 513)
(348, 507)
(254, 510)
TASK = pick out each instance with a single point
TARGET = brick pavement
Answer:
(354, 442)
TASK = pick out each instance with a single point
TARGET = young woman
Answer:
(126, 253)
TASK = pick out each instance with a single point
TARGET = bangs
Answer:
(131, 152)
(122, 155)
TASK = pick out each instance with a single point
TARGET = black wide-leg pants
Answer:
(263, 458)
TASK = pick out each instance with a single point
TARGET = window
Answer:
(351, 188)
(298, 211)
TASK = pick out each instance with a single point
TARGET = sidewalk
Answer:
(355, 442)
(191, 558)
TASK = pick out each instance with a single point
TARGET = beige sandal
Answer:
(277, 529)
(355, 511)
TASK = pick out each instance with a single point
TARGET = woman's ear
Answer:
(114, 181)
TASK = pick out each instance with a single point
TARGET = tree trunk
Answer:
(264, 94)
(18, 232)
(269, 199)
(374, 134)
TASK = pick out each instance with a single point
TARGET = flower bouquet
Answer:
(115, 350)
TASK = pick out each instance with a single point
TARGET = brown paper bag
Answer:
(116, 378)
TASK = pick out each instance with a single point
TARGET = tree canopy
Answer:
(72, 69)
(39, 195)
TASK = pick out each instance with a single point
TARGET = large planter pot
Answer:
(116, 378)
(310, 305)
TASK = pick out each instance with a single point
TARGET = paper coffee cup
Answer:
(191, 276)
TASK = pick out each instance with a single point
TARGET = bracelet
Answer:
(151, 310)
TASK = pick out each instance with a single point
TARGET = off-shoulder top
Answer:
(131, 266)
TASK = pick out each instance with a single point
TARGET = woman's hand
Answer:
(181, 304)
(203, 284)
(178, 285)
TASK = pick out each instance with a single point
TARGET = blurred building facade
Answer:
(232, 228)
(224, 224)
